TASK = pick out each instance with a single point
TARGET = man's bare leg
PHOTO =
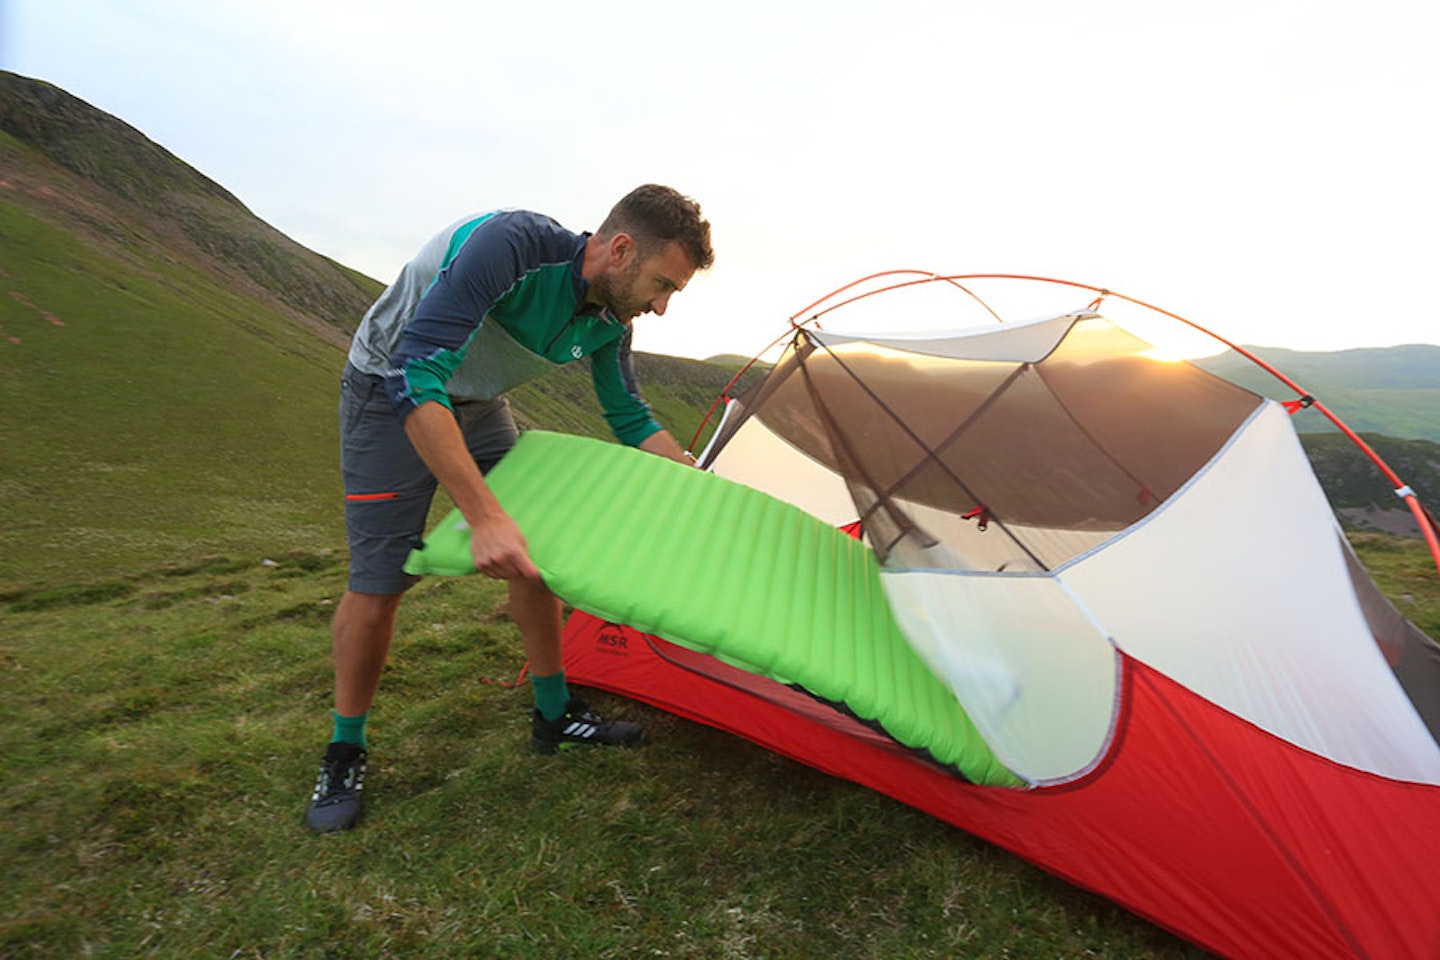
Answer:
(360, 641)
(538, 614)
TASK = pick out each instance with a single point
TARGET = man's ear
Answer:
(622, 248)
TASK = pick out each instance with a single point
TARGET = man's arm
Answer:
(662, 444)
(496, 543)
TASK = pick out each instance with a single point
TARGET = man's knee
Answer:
(366, 612)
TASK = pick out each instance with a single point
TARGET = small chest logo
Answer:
(576, 352)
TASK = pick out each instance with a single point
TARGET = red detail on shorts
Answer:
(371, 496)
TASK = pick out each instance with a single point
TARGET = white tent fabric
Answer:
(1238, 589)
(1027, 342)
(1271, 637)
(1035, 675)
(760, 459)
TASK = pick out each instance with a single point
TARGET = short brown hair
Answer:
(654, 216)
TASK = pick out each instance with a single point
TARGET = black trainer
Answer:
(581, 725)
(335, 804)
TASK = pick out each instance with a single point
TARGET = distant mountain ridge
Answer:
(1393, 391)
(1407, 367)
(168, 364)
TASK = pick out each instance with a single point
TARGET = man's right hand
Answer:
(496, 544)
(498, 549)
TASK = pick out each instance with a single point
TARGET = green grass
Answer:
(160, 736)
(150, 411)
(1405, 572)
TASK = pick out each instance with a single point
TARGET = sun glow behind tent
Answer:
(1127, 574)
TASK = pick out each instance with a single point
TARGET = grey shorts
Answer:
(388, 488)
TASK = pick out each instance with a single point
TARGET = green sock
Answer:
(350, 729)
(551, 695)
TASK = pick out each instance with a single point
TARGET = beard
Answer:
(617, 293)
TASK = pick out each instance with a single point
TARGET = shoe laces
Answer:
(340, 775)
(579, 710)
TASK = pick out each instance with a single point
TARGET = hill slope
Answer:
(1391, 396)
(167, 360)
(1360, 494)
(143, 399)
(74, 164)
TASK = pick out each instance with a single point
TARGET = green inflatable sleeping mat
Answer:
(725, 570)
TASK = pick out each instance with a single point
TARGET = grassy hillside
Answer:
(104, 177)
(1360, 494)
(167, 361)
(151, 411)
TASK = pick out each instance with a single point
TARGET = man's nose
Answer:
(658, 305)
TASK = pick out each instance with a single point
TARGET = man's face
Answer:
(644, 284)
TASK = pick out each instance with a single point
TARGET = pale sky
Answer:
(1266, 168)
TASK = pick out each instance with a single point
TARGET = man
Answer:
(492, 302)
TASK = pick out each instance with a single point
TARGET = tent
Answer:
(1125, 572)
